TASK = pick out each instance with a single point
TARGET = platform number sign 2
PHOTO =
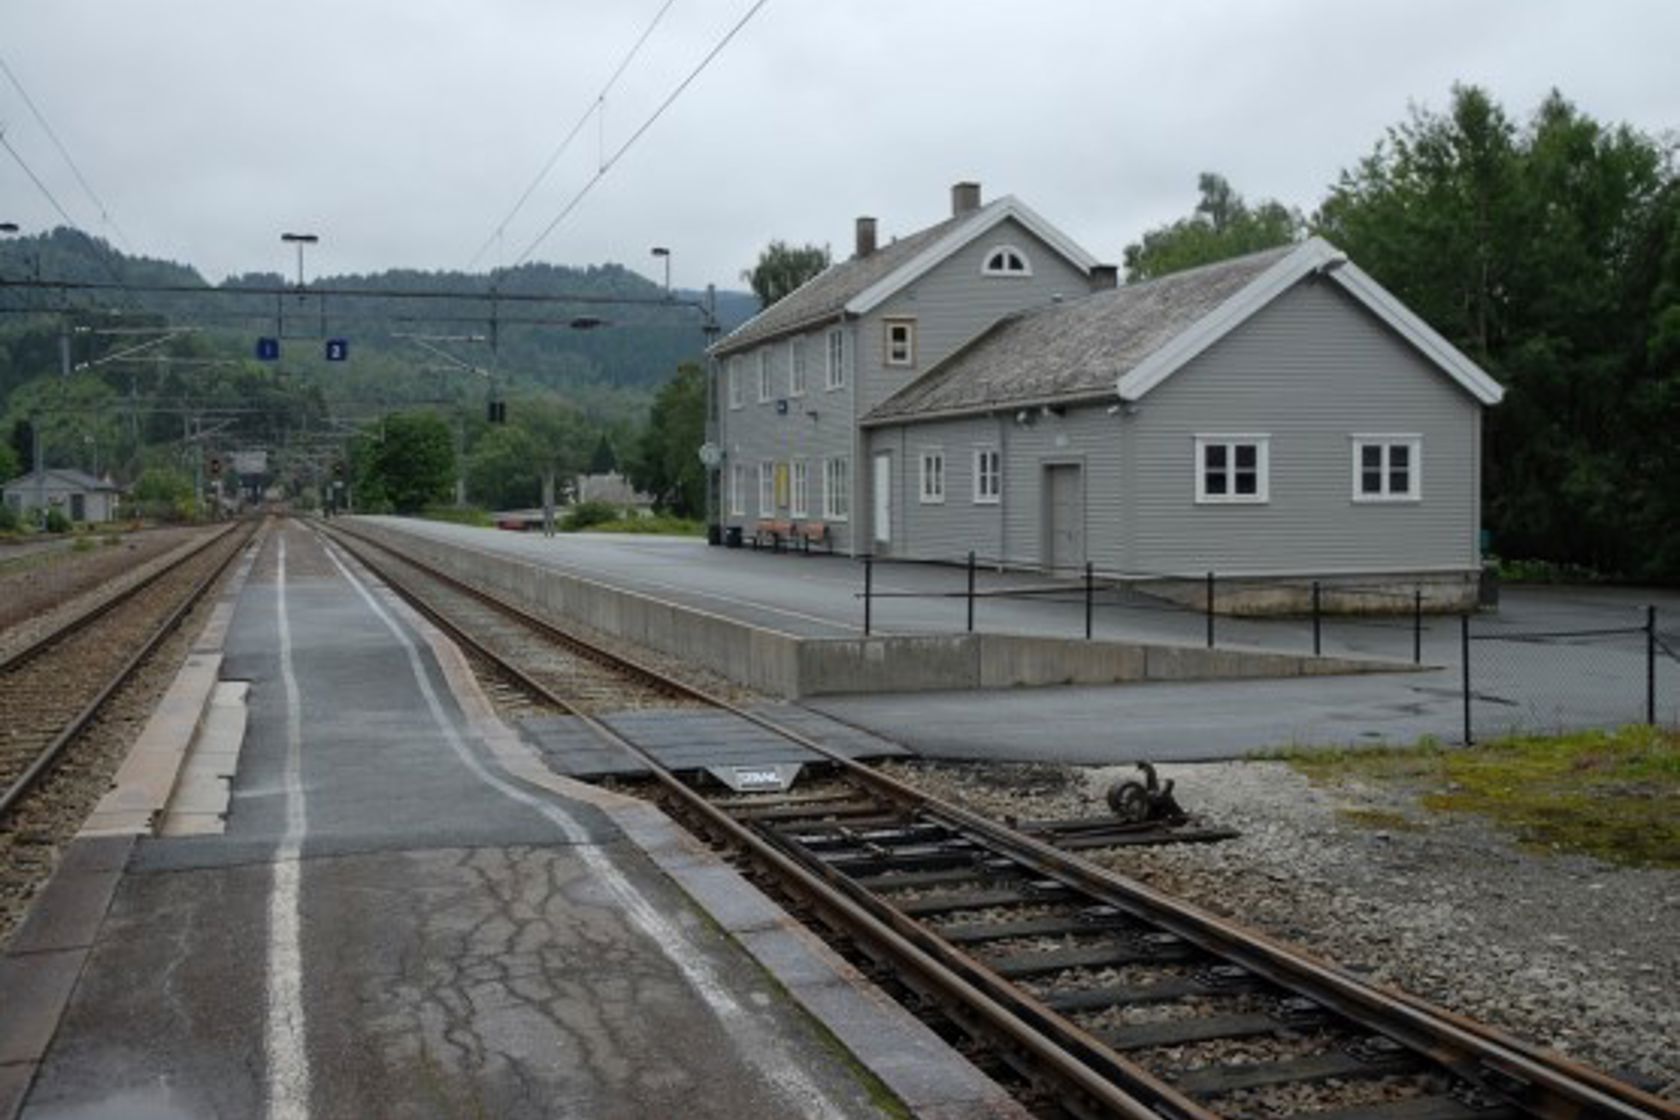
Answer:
(338, 349)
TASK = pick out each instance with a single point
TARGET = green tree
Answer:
(781, 268)
(667, 464)
(603, 459)
(1541, 251)
(1222, 226)
(412, 462)
(9, 465)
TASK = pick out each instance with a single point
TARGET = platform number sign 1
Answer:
(338, 349)
(268, 349)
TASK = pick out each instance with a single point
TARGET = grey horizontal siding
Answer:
(1309, 370)
(756, 432)
(954, 303)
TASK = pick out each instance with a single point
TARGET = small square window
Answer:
(1232, 469)
(1387, 468)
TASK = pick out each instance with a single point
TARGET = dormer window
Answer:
(1006, 260)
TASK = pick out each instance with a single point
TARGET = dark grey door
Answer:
(78, 507)
(1065, 517)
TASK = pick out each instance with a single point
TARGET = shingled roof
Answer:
(854, 286)
(1073, 350)
(825, 295)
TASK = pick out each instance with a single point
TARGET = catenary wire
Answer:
(594, 108)
(607, 164)
(87, 188)
(36, 179)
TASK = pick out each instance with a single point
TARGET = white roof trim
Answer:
(985, 219)
(1313, 255)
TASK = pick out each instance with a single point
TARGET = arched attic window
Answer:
(1006, 260)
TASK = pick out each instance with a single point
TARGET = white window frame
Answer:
(799, 488)
(796, 366)
(766, 488)
(898, 353)
(1386, 442)
(933, 476)
(990, 266)
(837, 488)
(834, 351)
(735, 381)
(764, 396)
(988, 483)
(737, 490)
(1260, 441)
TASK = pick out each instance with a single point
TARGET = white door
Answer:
(883, 499)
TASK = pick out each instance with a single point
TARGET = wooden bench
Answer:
(815, 532)
(772, 533)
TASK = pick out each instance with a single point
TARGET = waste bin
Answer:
(732, 537)
(714, 535)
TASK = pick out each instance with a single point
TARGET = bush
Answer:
(84, 543)
(8, 518)
(660, 525)
(586, 515)
(57, 522)
(458, 515)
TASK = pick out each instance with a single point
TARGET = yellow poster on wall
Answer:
(781, 485)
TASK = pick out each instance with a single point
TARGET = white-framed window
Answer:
(1387, 468)
(836, 365)
(988, 476)
(1006, 260)
(900, 342)
(1233, 469)
(800, 500)
(933, 476)
(735, 381)
(837, 488)
(738, 489)
(796, 366)
(763, 374)
(766, 488)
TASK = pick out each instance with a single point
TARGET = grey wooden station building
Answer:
(985, 385)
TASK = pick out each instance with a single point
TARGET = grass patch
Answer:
(1610, 794)
(660, 526)
(456, 515)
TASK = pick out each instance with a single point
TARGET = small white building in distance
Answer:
(76, 494)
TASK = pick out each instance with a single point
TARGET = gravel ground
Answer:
(1559, 949)
(36, 589)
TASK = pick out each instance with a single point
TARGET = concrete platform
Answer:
(732, 612)
(410, 914)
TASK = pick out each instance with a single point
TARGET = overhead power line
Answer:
(87, 188)
(36, 179)
(607, 165)
(594, 108)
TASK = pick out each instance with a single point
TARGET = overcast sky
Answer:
(403, 131)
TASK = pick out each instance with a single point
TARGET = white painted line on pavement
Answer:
(287, 1095)
(779, 1069)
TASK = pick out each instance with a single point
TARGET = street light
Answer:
(300, 240)
(662, 251)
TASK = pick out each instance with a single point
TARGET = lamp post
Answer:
(664, 253)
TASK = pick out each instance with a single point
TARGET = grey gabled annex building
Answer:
(984, 385)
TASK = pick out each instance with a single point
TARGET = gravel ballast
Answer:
(1559, 949)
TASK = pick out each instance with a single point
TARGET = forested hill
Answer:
(631, 347)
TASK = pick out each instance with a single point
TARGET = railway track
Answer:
(55, 687)
(1099, 994)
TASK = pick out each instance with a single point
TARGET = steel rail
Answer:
(1541, 1082)
(49, 754)
(72, 625)
(1075, 1067)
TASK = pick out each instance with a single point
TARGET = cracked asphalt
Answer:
(462, 951)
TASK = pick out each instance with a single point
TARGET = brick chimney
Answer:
(865, 236)
(1105, 277)
(965, 199)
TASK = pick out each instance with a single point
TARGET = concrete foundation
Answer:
(787, 665)
(1394, 593)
